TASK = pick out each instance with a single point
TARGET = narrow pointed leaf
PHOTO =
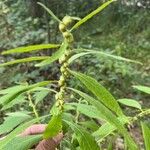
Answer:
(30, 48)
(50, 12)
(109, 117)
(144, 89)
(99, 91)
(54, 126)
(11, 96)
(89, 16)
(29, 59)
(146, 135)
(86, 141)
(130, 103)
(55, 56)
(96, 53)
(23, 143)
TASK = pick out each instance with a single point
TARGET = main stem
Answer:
(68, 38)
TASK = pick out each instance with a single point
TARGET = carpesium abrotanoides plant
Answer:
(104, 116)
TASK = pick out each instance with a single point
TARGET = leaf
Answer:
(18, 100)
(29, 59)
(107, 129)
(30, 48)
(130, 103)
(49, 11)
(12, 95)
(11, 89)
(109, 117)
(99, 91)
(90, 125)
(86, 141)
(54, 126)
(146, 135)
(89, 111)
(89, 16)
(19, 130)
(144, 89)
(74, 57)
(39, 96)
(23, 143)
(55, 56)
(12, 121)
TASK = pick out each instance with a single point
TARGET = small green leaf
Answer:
(30, 48)
(29, 59)
(144, 89)
(54, 126)
(146, 135)
(109, 117)
(87, 52)
(86, 141)
(39, 96)
(99, 91)
(55, 56)
(107, 129)
(130, 102)
(89, 111)
(23, 143)
(89, 16)
(12, 121)
(50, 12)
(18, 100)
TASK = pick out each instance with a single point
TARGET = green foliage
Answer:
(30, 48)
(97, 111)
(55, 56)
(24, 142)
(146, 134)
(86, 141)
(54, 126)
(99, 91)
(130, 102)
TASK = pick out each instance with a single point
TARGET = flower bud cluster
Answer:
(64, 61)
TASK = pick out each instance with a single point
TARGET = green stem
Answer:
(140, 115)
(31, 104)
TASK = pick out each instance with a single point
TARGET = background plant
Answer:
(103, 113)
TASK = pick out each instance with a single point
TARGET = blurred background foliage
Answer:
(121, 29)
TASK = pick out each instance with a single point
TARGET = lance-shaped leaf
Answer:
(23, 143)
(30, 48)
(146, 135)
(130, 103)
(99, 91)
(98, 53)
(12, 95)
(54, 126)
(18, 130)
(12, 121)
(144, 89)
(109, 117)
(55, 56)
(89, 16)
(50, 12)
(29, 59)
(85, 139)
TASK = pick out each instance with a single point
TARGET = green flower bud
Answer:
(67, 20)
(66, 35)
(61, 81)
(62, 27)
(62, 69)
(66, 65)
